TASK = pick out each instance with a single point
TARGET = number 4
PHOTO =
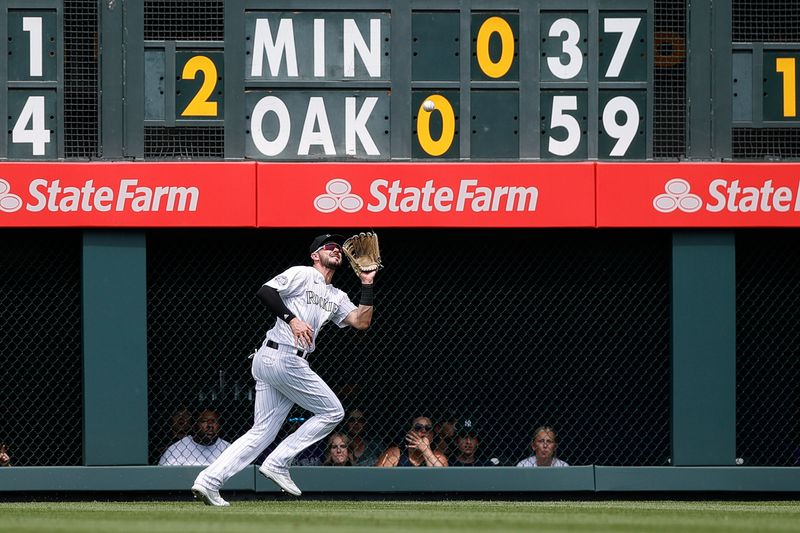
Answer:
(37, 135)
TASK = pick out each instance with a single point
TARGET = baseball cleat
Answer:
(208, 496)
(282, 480)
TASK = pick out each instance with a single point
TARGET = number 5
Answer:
(559, 119)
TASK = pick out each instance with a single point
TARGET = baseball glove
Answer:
(363, 252)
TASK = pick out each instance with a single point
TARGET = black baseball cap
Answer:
(320, 240)
(466, 426)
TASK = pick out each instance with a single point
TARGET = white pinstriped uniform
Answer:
(283, 379)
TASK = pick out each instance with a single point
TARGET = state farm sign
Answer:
(426, 194)
(698, 194)
(127, 194)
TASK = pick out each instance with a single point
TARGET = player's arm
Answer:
(300, 330)
(361, 317)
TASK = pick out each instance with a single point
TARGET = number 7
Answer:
(627, 28)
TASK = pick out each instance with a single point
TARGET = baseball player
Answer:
(303, 299)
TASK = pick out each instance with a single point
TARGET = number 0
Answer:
(200, 106)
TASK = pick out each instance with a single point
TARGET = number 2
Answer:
(200, 106)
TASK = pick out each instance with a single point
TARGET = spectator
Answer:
(445, 432)
(201, 448)
(544, 445)
(467, 442)
(365, 452)
(418, 451)
(338, 452)
(5, 458)
(180, 423)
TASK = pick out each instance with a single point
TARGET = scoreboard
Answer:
(308, 80)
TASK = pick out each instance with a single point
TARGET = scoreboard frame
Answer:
(404, 93)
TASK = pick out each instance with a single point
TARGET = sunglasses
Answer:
(420, 427)
(329, 247)
(338, 446)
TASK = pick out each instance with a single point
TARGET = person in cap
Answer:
(467, 442)
(302, 299)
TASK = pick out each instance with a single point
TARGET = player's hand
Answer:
(301, 332)
(367, 278)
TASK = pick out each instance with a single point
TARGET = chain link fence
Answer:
(40, 312)
(510, 329)
(767, 337)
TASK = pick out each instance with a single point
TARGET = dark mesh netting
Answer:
(40, 304)
(767, 335)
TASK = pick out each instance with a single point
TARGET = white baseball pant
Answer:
(282, 379)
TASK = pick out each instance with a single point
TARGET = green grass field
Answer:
(315, 516)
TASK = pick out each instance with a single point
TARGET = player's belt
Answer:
(275, 346)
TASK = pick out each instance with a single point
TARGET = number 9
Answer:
(624, 132)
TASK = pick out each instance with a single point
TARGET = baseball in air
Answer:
(428, 105)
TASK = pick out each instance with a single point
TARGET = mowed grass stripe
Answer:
(314, 516)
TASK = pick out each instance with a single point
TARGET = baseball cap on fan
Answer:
(320, 240)
(466, 426)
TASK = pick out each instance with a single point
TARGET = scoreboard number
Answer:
(787, 67)
(32, 60)
(780, 85)
(33, 113)
(198, 85)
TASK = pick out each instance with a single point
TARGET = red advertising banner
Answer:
(698, 194)
(127, 194)
(426, 194)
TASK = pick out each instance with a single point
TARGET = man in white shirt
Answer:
(200, 448)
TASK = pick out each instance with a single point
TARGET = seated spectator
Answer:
(467, 442)
(201, 448)
(364, 451)
(445, 432)
(418, 451)
(338, 452)
(180, 424)
(5, 458)
(544, 445)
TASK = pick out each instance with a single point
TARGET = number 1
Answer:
(786, 66)
(33, 25)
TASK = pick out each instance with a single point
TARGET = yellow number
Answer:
(440, 146)
(489, 67)
(200, 106)
(786, 66)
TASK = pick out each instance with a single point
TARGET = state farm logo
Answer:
(126, 196)
(677, 196)
(338, 196)
(9, 202)
(394, 197)
(729, 196)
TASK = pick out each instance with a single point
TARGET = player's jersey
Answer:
(304, 291)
